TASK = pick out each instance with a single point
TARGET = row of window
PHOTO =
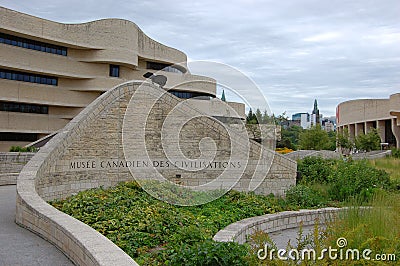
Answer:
(24, 108)
(28, 77)
(188, 95)
(9, 136)
(33, 45)
(163, 67)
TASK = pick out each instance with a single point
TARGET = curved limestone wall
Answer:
(89, 153)
(269, 223)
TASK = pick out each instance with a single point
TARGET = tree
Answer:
(290, 137)
(259, 116)
(315, 139)
(344, 142)
(368, 142)
(251, 118)
(281, 119)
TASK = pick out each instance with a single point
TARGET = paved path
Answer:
(281, 238)
(19, 246)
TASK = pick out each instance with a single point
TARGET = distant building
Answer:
(302, 119)
(315, 116)
(329, 123)
(360, 116)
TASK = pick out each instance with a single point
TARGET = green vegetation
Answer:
(157, 233)
(341, 180)
(23, 149)
(368, 142)
(370, 222)
(290, 137)
(391, 165)
(363, 142)
(316, 138)
(376, 228)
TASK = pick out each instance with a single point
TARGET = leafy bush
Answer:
(304, 196)
(23, 149)
(356, 178)
(210, 253)
(315, 169)
(368, 142)
(396, 153)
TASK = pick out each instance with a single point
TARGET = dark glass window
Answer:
(114, 71)
(162, 66)
(33, 45)
(24, 108)
(28, 77)
(188, 95)
(11, 136)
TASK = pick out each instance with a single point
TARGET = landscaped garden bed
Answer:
(154, 232)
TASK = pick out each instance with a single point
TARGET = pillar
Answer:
(396, 132)
(380, 125)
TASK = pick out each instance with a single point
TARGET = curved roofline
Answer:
(86, 23)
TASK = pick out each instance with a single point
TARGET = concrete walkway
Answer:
(19, 246)
(281, 238)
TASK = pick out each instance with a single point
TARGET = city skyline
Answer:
(295, 52)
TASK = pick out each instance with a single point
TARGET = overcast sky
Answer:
(294, 50)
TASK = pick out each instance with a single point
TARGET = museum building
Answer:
(359, 116)
(50, 71)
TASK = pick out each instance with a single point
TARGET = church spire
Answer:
(315, 107)
(315, 114)
(223, 96)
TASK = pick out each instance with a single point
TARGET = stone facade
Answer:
(11, 164)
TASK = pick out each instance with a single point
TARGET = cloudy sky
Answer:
(295, 50)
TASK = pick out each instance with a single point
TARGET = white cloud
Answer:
(327, 36)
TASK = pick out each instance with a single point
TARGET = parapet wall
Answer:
(89, 153)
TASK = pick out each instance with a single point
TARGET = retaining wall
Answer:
(269, 223)
(11, 164)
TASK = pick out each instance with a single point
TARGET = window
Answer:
(24, 108)
(188, 95)
(10, 136)
(163, 67)
(28, 77)
(33, 45)
(114, 71)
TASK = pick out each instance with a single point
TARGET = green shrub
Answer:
(23, 149)
(315, 169)
(304, 196)
(356, 179)
(396, 153)
(210, 253)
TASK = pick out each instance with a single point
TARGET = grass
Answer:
(376, 228)
(390, 164)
